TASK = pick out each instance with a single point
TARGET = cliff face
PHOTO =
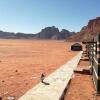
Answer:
(88, 32)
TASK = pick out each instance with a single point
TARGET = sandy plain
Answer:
(23, 61)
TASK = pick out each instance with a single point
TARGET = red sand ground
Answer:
(23, 61)
(81, 86)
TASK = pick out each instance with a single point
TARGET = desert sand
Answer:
(23, 61)
(81, 86)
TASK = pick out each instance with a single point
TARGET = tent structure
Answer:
(76, 47)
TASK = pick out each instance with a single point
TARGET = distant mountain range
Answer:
(88, 32)
(46, 33)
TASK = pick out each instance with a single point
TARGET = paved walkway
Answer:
(58, 81)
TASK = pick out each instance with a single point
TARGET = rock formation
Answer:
(53, 33)
(46, 33)
(88, 32)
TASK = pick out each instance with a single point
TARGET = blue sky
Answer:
(30, 16)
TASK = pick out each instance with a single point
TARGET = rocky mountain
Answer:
(24, 36)
(6, 34)
(9, 35)
(46, 33)
(88, 32)
(53, 33)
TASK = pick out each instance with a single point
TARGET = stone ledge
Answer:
(58, 81)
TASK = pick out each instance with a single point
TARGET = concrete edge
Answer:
(58, 83)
